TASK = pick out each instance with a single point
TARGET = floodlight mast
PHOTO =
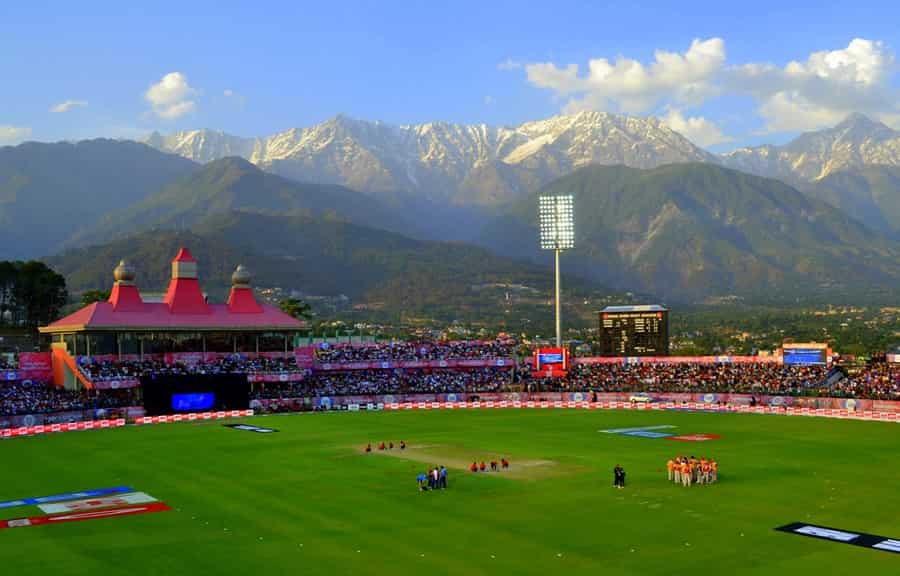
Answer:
(556, 215)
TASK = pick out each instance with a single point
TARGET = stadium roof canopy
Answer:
(638, 308)
(184, 307)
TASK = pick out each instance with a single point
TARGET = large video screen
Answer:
(551, 358)
(193, 402)
(170, 394)
(805, 356)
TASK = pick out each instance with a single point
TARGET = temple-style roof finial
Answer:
(124, 273)
(241, 277)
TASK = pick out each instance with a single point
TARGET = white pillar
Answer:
(558, 314)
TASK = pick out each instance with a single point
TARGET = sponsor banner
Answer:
(647, 434)
(78, 516)
(388, 365)
(639, 429)
(607, 400)
(641, 432)
(305, 356)
(96, 503)
(35, 366)
(275, 377)
(695, 437)
(65, 496)
(861, 539)
(118, 384)
(186, 358)
(250, 428)
(680, 360)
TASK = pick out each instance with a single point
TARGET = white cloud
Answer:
(14, 134)
(489, 100)
(804, 94)
(792, 112)
(697, 129)
(68, 105)
(629, 86)
(821, 90)
(228, 93)
(172, 96)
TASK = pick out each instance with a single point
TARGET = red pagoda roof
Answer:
(158, 316)
(184, 307)
(184, 255)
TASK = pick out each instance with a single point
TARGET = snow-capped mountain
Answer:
(442, 162)
(856, 142)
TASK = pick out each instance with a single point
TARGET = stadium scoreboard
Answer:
(806, 354)
(633, 331)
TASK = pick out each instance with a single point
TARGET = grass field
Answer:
(307, 500)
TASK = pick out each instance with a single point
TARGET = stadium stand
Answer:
(875, 381)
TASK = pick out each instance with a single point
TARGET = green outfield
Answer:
(308, 500)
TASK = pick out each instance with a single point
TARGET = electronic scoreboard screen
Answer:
(633, 331)
(550, 362)
(805, 356)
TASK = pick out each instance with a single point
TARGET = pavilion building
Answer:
(127, 327)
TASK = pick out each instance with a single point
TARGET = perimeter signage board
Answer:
(853, 537)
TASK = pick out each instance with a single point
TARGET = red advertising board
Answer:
(305, 356)
(550, 362)
(35, 366)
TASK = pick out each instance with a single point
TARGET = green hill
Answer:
(50, 191)
(236, 184)
(694, 231)
(377, 270)
(870, 194)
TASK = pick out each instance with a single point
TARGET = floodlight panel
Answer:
(556, 216)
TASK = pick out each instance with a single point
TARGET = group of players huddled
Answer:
(688, 471)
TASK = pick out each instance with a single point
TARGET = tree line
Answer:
(31, 294)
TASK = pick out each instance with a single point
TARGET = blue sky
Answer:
(724, 77)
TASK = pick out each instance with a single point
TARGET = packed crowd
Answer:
(410, 351)
(689, 377)
(368, 382)
(17, 398)
(122, 369)
(879, 381)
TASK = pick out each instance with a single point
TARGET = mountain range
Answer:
(445, 163)
(689, 231)
(457, 165)
(367, 209)
(855, 143)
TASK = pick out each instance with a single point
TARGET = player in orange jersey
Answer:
(670, 466)
(686, 474)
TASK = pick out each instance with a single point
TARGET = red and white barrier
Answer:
(63, 427)
(191, 416)
(785, 410)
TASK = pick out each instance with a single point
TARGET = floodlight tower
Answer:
(557, 219)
